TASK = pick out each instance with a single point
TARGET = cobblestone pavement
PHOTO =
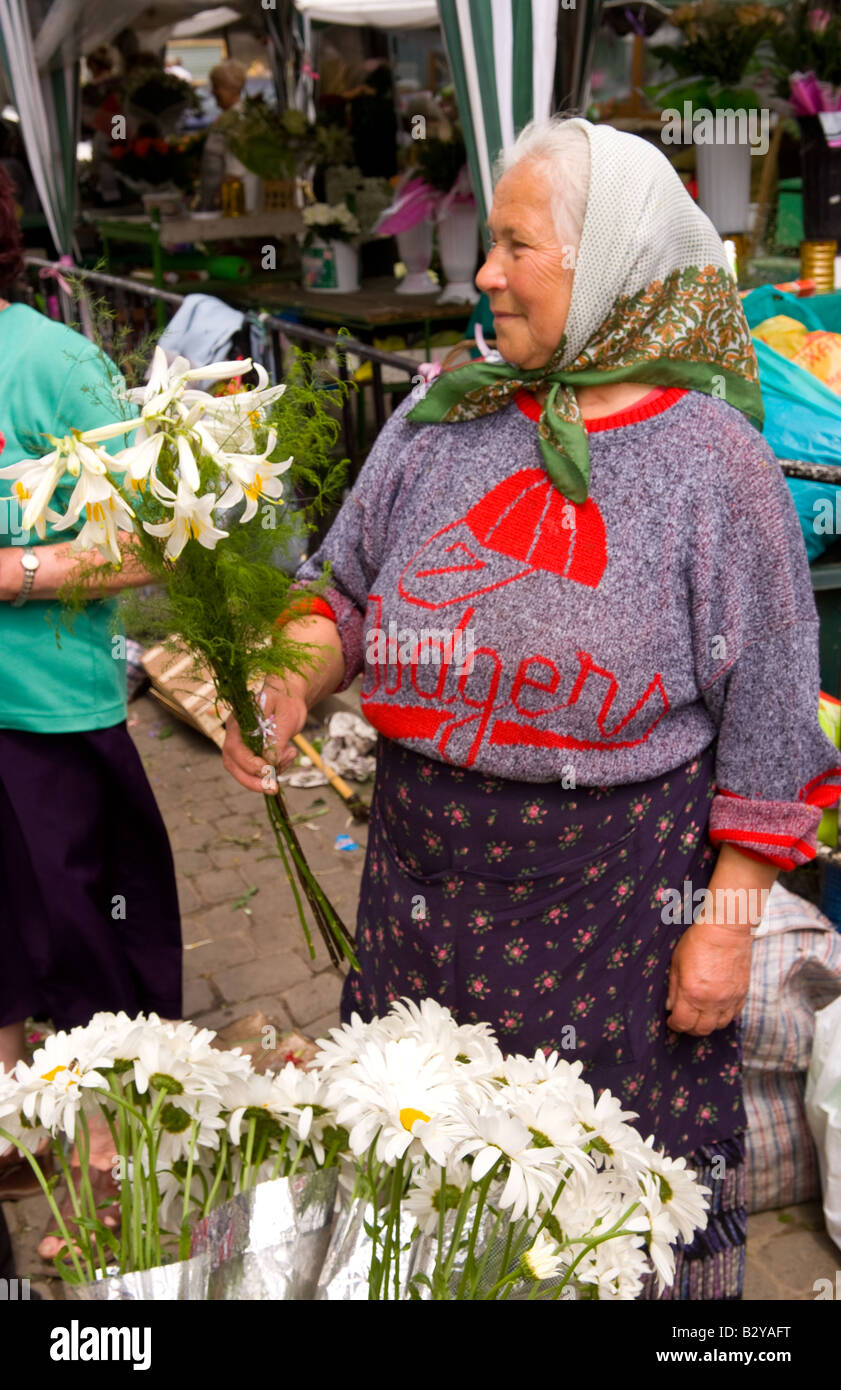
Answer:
(244, 951)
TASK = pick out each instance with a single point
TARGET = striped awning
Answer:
(514, 61)
(46, 97)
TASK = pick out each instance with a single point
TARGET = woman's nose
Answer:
(491, 276)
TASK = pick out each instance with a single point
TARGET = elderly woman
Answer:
(576, 587)
(226, 83)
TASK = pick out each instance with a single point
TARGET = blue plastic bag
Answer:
(802, 415)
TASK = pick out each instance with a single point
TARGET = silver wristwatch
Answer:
(30, 563)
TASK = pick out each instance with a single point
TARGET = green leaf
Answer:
(245, 899)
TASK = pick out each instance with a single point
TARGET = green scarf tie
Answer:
(686, 330)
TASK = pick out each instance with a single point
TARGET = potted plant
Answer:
(330, 257)
(807, 53)
(443, 164)
(714, 63)
(274, 145)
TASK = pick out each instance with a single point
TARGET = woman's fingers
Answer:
(249, 770)
(281, 719)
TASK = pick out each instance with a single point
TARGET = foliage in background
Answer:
(440, 161)
(719, 48)
(273, 143)
(808, 39)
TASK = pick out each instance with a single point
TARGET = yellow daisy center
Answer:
(408, 1117)
(51, 1075)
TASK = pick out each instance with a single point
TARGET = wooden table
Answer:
(159, 233)
(376, 307)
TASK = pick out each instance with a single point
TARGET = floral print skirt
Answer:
(552, 914)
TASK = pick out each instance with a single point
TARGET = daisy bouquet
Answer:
(192, 1126)
(196, 500)
(483, 1177)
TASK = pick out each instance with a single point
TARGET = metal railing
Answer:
(133, 322)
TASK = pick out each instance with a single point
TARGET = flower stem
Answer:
(53, 1205)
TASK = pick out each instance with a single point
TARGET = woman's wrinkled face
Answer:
(528, 273)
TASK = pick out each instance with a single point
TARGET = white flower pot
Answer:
(331, 267)
(458, 235)
(415, 248)
(724, 185)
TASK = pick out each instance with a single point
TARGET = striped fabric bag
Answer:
(796, 970)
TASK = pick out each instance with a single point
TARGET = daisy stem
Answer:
(441, 1215)
(506, 1255)
(280, 1154)
(217, 1179)
(392, 1236)
(245, 1174)
(297, 1159)
(86, 1197)
(81, 1236)
(614, 1231)
(119, 1134)
(371, 1171)
(261, 1149)
(491, 1241)
(469, 1262)
(184, 1237)
(48, 1193)
(461, 1216)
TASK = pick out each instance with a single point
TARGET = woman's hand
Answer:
(709, 977)
(289, 699)
(258, 773)
(58, 563)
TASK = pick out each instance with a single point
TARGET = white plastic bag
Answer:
(823, 1111)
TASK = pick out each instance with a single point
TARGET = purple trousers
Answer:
(89, 914)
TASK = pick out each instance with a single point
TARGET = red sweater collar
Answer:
(658, 400)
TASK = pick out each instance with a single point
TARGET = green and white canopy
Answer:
(514, 61)
(46, 95)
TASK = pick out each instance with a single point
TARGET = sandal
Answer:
(17, 1179)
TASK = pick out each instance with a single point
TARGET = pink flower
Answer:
(818, 20)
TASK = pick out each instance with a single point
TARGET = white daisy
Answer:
(400, 1093)
(543, 1260)
(435, 1188)
(532, 1173)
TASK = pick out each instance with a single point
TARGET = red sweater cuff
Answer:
(304, 605)
(779, 832)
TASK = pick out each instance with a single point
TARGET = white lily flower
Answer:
(252, 477)
(191, 521)
(187, 467)
(231, 420)
(39, 478)
(140, 462)
(103, 522)
(168, 381)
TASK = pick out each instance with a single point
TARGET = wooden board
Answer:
(187, 693)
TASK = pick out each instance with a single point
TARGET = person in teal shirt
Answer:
(89, 917)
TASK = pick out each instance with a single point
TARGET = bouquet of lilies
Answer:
(479, 1176)
(183, 500)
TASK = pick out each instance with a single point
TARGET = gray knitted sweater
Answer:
(503, 628)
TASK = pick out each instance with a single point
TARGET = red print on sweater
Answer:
(522, 526)
(527, 525)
